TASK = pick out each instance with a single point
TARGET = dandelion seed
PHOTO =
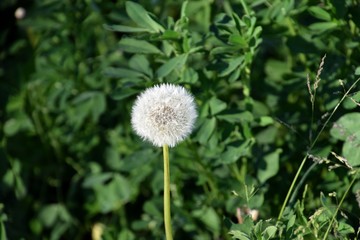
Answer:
(164, 114)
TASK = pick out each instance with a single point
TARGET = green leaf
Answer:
(269, 166)
(11, 127)
(320, 13)
(122, 28)
(357, 71)
(238, 40)
(170, 35)
(140, 63)
(206, 130)
(232, 65)
(345, 126)
(345, 229)
(111, 191)
(269, 232)
(265, 121)
(351, 149)
(2, 231)
(245, 116)
(189, 76)
(233, 153)
(352, 101)
(123, 92)
(176, 62)
(321, 27)
(216, 105)
(137, 46)
(96, 179)
(210, 218)
(291, 222)
(141, 17)
(122, 73)
(243, 231)
(236, 234)
(50, 214)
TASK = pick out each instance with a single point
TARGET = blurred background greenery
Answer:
(70, 71)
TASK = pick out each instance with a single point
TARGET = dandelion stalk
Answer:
(167, 212)
(164, 115)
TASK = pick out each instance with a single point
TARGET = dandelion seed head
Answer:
(164, 114)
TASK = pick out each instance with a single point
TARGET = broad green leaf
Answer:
(216, 105)
(206, 130)
(140, 63)
(123, 28)
(320, 13)
(176, 62)
(112, 195)
(224, 49)
(122, 73)
(189, 76)
(345, 126)
(183, 9)
(2, 231)
(96, 179)
(245, 116)
(126, 234)
(50, 214)
(345, 229)
(210, 218)
(232, 65)
(138, 46)
(233, 153)
(122, 93)
(321, 27)
(11, 126)
(357, 71)
(269, 232)
(237, 39)
(236, 234)
(351, 148)
(243, 231)
(265, 121)
(112, 159)
(352, 101)
(291, 221)
(170, 35)
(141, 17)
(269, 166)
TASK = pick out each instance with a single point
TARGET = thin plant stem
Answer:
(311, 147)
(246, 9)
(338, 207)
(291, 188)
(167, 213)
(301, 183)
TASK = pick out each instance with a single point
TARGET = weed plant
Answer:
(275, 152)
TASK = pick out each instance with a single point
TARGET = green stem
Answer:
(312, 146)
(167, 213)
(291, 188)
(246, 9)
(338, 207)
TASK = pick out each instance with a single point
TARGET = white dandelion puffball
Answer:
(164, 114)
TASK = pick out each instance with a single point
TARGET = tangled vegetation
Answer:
(275, 153)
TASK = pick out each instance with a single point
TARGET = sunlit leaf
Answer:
(141, 17)
(137, 46)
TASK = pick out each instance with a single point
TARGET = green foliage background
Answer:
(70, 71)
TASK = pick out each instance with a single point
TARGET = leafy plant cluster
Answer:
(275, 82)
